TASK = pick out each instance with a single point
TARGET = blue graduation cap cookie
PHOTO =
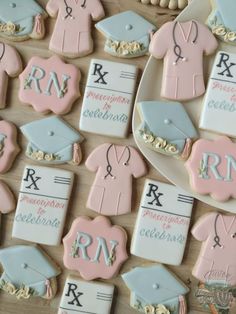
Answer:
(127, 34)
(28, 272)
(222, 20)
(166, 128)
(52, 141)
(155, 290)
(21, 19)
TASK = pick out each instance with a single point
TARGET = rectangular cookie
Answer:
(162, 224)
(86, 297)
(108, 100)
(42, 204)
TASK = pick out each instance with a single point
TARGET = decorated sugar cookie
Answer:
(49, 85)
(156, 290)
(86, 297)
(215, 267)
(28, 272)
(11, 66)
(162, 223)
(72, 33)
(21, 20)
(166, 128)
(127, 34)
(171, 4)
(52, 141)
(42, 204)
(9, 147)
(108, 100)
(95, 248)
(222, 20)
(7, 199)
(182, 46)
(115, 165)
(219, 107)
(212, 168)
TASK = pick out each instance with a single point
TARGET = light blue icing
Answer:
(128, 27)
(52, 136)
(20, 12)
(226, 10)
(155, 116)
(154, 285)
(27, 265)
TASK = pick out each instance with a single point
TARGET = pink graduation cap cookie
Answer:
(212, 168)
(95, 248)
(49, 85)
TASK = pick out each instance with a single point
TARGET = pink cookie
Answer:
(111, 192)
(95, 248)
(72, 33)
(212, 168)
(217, 260)
(10, 65)
(8, 145)
(49, 85)
(7, 199)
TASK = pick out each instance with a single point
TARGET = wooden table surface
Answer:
(20, 115)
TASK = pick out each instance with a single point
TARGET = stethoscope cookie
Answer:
(182, 46)
(72, 33)
(95, 248)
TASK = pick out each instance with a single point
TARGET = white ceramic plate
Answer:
(149, 89)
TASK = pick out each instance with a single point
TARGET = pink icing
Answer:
(220, 180)
(10, 146)
(7, 199)
(98, 227)
(38, 96)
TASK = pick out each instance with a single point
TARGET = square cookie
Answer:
(86, 297)
(219, 108)
(162, 224)
(42, 204)
(108, 100)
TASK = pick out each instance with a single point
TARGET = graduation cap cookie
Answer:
(155, 290)
(28, 272)
(222, 20)
(21, 19)
(127, 34)
(166, 128)
(52, 141)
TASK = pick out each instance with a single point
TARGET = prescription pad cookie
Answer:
(212, 168)
(166, 128)
(52, 141)
(156, 290)
(49, 85)
(21, 20)
(81, 296)
(127, 34)
(222, 20)
(10, 66)
(9, 147)
(95, 248)
(182, 45)
(72, 32)
(28, 272)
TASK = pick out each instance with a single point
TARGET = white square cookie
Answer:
(42, 204)
(108, 99)
(86, 297)
(162, 224)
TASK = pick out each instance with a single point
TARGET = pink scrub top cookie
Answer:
(72, 33)
(182, 46)
(111, 192)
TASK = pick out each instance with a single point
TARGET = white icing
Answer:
(207, 166)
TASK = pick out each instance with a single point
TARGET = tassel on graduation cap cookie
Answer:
(28, 272)
(21, 20)
(127, 34)
(52, 141)
(166, 128)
